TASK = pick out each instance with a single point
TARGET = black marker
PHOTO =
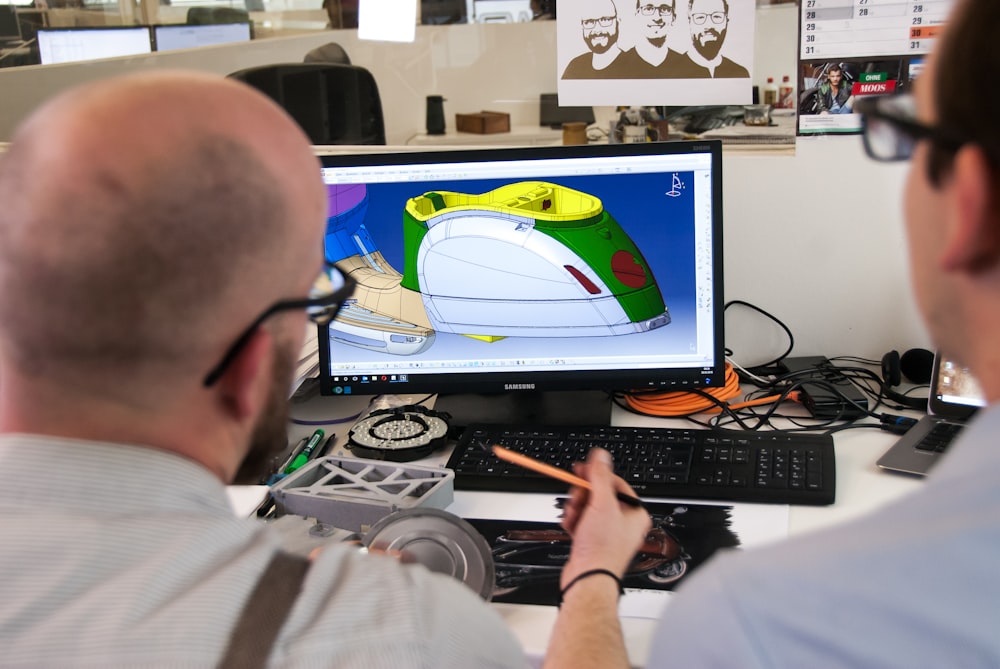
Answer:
(327, 445)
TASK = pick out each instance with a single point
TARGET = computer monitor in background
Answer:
(183, 36)
(10, 31)
(66, 45)
(505, 276)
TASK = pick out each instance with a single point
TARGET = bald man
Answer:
(157, 236)
(599, 26)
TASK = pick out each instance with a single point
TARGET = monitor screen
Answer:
(66, 45)
(181, 36)
(954, 384)
(536, 269)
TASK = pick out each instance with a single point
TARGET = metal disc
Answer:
(441, 541)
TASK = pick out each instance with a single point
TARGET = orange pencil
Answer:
(555, 472)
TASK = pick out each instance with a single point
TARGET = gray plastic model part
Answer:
(353, 494)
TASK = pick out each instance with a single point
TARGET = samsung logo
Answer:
(519, 386)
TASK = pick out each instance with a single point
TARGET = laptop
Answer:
(954, 397)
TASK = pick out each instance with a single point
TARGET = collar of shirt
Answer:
(701, 60)
(600, 61)
(651, 54)
(54, 472)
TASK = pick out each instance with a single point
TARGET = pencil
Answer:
(556, 473)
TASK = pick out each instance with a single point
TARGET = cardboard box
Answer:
(483, 123)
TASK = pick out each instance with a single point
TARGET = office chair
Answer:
(333, 103)
(331, 52)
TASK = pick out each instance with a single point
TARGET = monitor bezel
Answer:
(665, 379)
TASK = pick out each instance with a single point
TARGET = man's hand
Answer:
(606, 533)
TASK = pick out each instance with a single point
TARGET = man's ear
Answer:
(240, 384)
(973, 240)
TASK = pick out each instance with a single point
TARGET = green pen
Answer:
(303, 457)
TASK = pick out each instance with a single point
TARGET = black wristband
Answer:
(592, 572)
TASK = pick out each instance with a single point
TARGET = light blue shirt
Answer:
(914, 584)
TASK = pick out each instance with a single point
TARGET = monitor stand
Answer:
(565, 407)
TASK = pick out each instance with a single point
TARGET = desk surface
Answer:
(778, 138)
(861, 487)
(517, 136)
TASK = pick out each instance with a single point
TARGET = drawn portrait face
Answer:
(600, 26)
(709, 20)
(654, 19)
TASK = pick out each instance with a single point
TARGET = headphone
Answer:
(915, 365)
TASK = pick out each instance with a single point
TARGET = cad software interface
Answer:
(597, 263)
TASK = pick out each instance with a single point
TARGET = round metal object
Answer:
(441, 541)
(401, 434)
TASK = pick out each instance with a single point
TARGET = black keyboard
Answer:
(774, 467)
(939, 437)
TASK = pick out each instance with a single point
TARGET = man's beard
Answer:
(709, 50)
(602, 48)
(657, 42)
(269, 438)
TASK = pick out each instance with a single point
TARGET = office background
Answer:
(815, 236)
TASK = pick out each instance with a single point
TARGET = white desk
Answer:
(861, 487)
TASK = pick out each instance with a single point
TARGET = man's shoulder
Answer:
(630, 65)
(682, 66)
(833, 597)
(580, 67)
(730, 69)
(422, 614)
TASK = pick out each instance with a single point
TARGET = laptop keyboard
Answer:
(775, 467)
(939, 437)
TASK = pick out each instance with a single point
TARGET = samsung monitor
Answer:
(183, 36)
(512, 273)
(66, 45)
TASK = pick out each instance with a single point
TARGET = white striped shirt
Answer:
(115, 556)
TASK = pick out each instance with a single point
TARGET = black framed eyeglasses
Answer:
(325, 299)
(718, 18)
(662, 10)
(604, 22)
(890, 129)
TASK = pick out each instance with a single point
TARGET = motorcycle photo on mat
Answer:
(530, 557)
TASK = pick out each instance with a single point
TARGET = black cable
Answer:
(857, 359)
(757, 417)
(788, 332)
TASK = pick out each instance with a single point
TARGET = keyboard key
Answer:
(776, 467)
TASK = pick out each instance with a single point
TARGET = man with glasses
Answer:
(155, 288)
(652, 57)
(912, 584)
(600, 33)
(709, 22)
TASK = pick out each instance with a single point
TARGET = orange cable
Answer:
(683, 403)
